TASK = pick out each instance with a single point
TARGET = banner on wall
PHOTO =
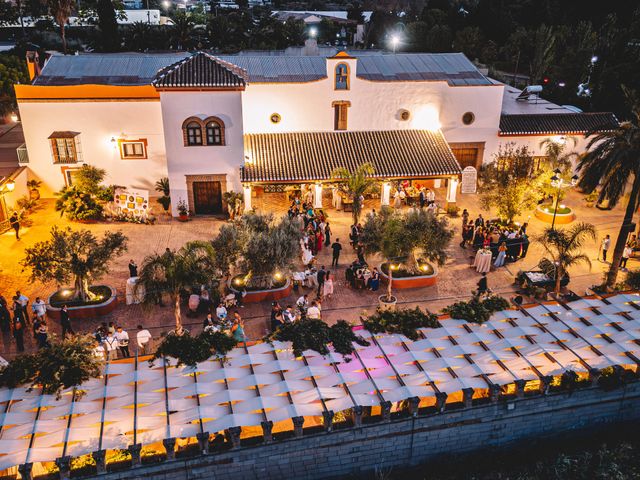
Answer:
(129, 201)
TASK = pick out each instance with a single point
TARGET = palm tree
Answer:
(564, 250)
(61, 11)
(357, 183)
(174, 271)
(611, 161)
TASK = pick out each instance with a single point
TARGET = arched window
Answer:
(342, 77)
(214, 132)
(194, 134)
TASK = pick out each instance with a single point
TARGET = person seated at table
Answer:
(374, 282)
(221, 312)
(350, 276)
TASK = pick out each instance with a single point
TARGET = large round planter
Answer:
(87, 311)
(412, 282)
(384, 304)
(545, 214)
(272, 295)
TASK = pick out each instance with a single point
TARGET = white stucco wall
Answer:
(374, 106)
(97, 123)
(202, 160)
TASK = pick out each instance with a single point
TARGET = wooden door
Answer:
(207, 198)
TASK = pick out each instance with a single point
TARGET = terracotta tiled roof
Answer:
(556, 123)
(290, 157)
(200, 70)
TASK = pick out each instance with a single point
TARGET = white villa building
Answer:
(266, 123)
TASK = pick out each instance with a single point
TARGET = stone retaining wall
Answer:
(406, 441)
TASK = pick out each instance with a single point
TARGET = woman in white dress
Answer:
(327, 290)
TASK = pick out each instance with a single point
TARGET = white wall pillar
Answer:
(385, 194)
(437, 183)
(452, 190)
(317, 195)
(246, 190)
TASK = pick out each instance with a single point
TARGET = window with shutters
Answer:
(341, 109)
(133, 149)
(65, 147)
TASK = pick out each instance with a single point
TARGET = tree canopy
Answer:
(74, 255)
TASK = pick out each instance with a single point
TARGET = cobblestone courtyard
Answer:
(456, 279)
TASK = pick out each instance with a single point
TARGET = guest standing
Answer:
(327, 235)
(502, 252)
(327, 291)
(65, 322)
(143, 339)
(14, 221)
(133, 269)
(18, 333)
(336, 247)
(482, 284)
(123, 341)
(322, 275)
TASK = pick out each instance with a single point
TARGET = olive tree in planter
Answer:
(64, 363)
(85, 199)
(410, 240)
(266, 248)
(174, 271)
(74, 255)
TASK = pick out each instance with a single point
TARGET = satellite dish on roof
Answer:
(529, 91)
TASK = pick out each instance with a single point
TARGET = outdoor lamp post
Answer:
(559, 183)
(395, 41)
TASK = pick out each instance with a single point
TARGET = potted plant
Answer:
(591, 199)
(76, 256)
(84, 200)
(162, 186)
(34, 185)
(265, 249)
(183, 211)
(234, 201)
(410, 243)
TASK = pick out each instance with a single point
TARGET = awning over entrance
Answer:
(312, 156)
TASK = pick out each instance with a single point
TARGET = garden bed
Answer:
(564, 214)
(281, 289)
(403, 278)
(103, 305)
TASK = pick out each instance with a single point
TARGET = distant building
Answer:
(266, 123)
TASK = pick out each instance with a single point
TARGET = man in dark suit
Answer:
(322, 275)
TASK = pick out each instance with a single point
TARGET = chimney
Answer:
(33, 64)
(310, 47)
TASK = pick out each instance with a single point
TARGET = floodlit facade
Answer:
(218, 123)
(263, 389)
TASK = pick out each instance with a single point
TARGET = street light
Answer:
(7, 187)
(395, 41)
(559, 183)
(313, 32)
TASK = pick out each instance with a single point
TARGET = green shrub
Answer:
(477, 310)
(191, 350)
(633, 279)
(313, 334)
(403, 321)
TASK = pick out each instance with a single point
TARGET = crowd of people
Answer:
(507, 243)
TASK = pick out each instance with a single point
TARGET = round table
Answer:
(482, 262)
(134, 295)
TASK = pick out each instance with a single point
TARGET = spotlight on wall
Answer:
(14, 117)
(313, 32)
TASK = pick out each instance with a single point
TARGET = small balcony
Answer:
(23, 155)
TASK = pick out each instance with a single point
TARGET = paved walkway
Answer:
(456, 279)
